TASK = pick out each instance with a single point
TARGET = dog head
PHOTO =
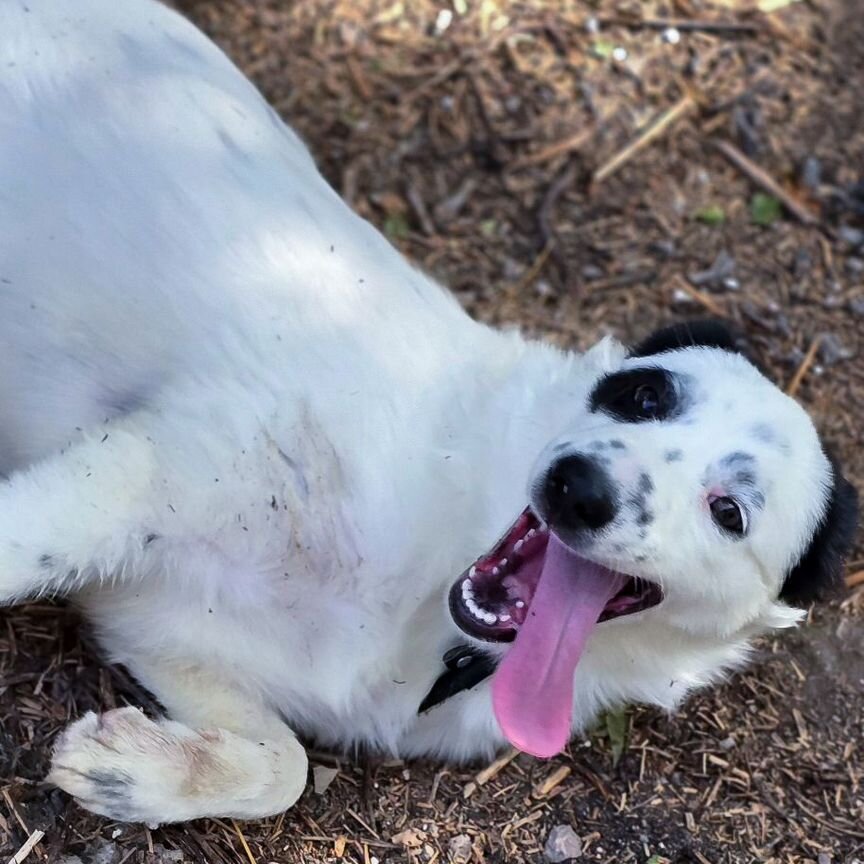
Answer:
(690, 496)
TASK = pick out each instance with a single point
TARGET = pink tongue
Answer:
(532, 691)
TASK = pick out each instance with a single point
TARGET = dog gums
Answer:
(449, 133)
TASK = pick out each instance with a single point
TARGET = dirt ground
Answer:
(492, 142)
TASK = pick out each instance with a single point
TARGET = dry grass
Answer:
(558, 188)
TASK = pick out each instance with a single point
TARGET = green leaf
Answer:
(602, 48)
(617, 724)
(765, 209)
(396, 227)
(713, 214)
(488, 227)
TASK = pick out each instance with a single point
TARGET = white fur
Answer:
(257, 446)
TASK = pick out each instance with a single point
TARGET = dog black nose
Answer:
(579, 494)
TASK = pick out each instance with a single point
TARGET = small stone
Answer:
(107, 853)
(590, 272)
(681, 298)
(853, 237)
(619, 55)
(562, 844)
(460, 849)
(832, 350)
(730, 283)
(665, 248)
(855, 266)
(672, 35)
(803, 263)
(592, 25)
(811, 173)
(823, 858)
(443, 21)
(322, 777)
(513, 104)
(856, 306)
(723, 267)
(728, 743)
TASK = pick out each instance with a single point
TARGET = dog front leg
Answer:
(76, 516)
(225, 753)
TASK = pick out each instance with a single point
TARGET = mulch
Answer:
(573, 168)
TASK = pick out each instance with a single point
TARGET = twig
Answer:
(701, 298)
(489, 772)
(14, 810)
(243, 842)
(546, 211)
(765, 181)
(558, 148)
(804, 368)
(27, 848)
(685, 24)
(558, 776)
(652, 133)
(853, 580)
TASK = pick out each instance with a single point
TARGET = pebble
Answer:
(590, 272)
(672, 35)
(811, 173)
(562, 844)
(856, 306)
(721, 269)
(832, 350)
(855, 265)
(461, 849)
(853, 237)
(666, 248)
(619, 55)
(728, 743)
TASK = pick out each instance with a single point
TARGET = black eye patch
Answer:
(637, 395)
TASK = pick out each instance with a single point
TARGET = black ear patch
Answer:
(820, 570)
(706, 333)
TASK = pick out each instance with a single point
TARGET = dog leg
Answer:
(75, 517)
(226, 755)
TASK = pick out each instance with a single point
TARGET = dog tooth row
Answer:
(477, 611)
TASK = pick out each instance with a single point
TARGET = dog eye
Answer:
(647, 400)
(728, 515)
(637, 395)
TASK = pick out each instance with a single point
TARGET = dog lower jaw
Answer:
(491, 599)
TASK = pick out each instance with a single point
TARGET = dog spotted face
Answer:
(690, 490)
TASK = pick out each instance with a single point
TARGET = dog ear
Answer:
(820, 568)
(706, 333)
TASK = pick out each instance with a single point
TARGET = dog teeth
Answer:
(503, 617)
(495, 571)
(472, 572)
(502, 562)
(518, 545)
(520, 604)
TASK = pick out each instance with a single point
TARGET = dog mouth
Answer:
(533, 590)
(492, 599)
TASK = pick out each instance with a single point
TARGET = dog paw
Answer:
(122, 765)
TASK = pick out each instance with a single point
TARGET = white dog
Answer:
(258, 448)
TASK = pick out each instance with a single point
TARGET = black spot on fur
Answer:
(707, 333)
(820, 569)
(615, 444)
(764, 433)
(46, 561)
(646, 517)
(149, 538)
(646, 485)
(674, 455)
